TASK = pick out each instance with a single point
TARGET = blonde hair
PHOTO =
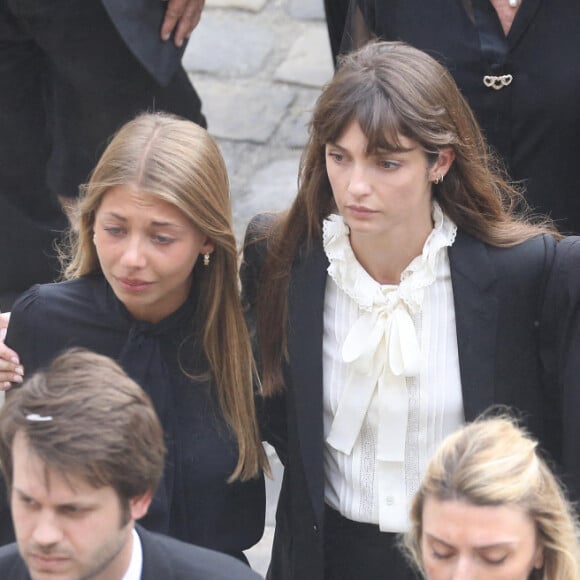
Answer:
(178, 162)
(494, 462)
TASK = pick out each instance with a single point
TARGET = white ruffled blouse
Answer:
(392, 389)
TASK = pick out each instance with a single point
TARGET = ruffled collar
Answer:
(356, 282)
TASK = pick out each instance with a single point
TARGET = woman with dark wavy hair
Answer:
(398, 298)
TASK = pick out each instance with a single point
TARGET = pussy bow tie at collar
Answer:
(382, 349)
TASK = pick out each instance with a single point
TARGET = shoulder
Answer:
(58, 294)
(180, 561)
(529, 258)
(50, 317)
(43, 304)
(261, 228)
(564, 285)
(262, 225)
(258, 233)
(11, 564)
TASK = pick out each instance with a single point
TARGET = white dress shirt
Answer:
(136, 564)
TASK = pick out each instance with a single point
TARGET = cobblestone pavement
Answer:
(258, 66)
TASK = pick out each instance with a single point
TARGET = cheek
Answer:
(180, 265)
(104, 251)
(433, 568)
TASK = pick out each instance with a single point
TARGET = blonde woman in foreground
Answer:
(490, 508)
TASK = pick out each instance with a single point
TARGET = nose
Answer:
(359, 184)
(464, 568)
(47, 531)
(133, 256)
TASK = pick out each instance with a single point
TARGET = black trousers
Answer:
(67, 83)
(353, 551)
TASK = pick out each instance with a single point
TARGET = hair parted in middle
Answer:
(493, 462)
(178, 162)
(391, 90)
(92, 421)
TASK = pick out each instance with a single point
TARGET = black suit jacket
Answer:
(561, 352)
(163, 559)
(498, 295)
(139, 24)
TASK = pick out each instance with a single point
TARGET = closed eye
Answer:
(441, 555)
(26, 501)
(494, 560)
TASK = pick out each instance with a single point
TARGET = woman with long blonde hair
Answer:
(489, 507)
(151, 280)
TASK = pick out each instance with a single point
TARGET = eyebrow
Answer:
(156, 223)
(78, 503)
(486, 547)
(378, 150)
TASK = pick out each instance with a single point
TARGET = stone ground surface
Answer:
(258, 66)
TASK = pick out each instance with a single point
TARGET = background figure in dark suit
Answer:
(501, 55)
(398, 298)
(71, 73)
(82, 452)
(336, 12)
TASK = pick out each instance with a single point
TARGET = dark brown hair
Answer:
(103, 427)
(391, 90)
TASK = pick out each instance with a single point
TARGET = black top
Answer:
(194, 502)
(163, 559)
(534, 123)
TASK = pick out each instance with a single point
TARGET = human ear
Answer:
(442, 164)
(208, 247)
(140, 505)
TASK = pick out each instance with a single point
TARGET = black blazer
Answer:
(139, 24)
(561, 352)
(497, 295)
(163, 559)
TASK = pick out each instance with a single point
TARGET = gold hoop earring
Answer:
(206, 260)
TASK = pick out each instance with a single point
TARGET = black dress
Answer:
(194, 502)
(534, 122)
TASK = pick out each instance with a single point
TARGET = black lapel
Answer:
(524, 18)
(155, 563)
(305, 316)
(473, 278)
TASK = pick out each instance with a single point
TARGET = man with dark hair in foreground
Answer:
(82, 452)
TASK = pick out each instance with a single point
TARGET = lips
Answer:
(43, 561)
(360, 209)
(133, 284)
